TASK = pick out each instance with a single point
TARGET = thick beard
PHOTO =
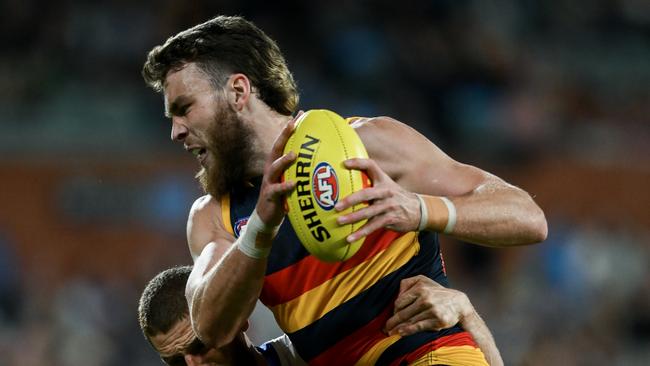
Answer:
(230, 143)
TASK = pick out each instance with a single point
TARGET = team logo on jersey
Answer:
(240, 225)
(325, 186)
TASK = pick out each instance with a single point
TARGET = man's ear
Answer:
(238, 91)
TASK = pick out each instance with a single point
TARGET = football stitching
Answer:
(347, 156)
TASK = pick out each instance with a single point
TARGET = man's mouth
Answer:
(199, 153)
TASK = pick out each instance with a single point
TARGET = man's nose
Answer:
(179, 130)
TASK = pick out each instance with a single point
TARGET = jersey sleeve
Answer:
(280, 352)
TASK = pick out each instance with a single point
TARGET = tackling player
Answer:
(164, 321)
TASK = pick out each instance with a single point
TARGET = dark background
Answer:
(553, 96)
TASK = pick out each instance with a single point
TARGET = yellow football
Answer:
(322, 140)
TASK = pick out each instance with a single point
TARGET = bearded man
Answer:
(230, 97)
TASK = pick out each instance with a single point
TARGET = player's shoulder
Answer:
(205, 224)
(376, 127)
(378, 133)
(204, 204)
(205, 209)
(373, 122)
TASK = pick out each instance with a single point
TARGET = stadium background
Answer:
(551, 95)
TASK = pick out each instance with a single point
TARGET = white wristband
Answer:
(451, 221)
(256, 233)
(424, 214)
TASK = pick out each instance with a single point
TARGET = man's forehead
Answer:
(188, 76)
(175, 340)
(185, 83)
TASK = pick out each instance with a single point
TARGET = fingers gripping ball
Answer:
(322, 140)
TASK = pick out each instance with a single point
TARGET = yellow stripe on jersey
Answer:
(225, 213)
(373, 354)
(315, 303)
(453, 356)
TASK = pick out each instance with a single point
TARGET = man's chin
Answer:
(214, 185)
(204, 180)
(228, 154)
(201, 174)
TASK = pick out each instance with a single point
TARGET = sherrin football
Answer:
(322, 140)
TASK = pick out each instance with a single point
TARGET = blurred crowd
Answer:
(505, 85)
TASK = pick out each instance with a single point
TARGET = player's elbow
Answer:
(539, 232)
(209, 330)
(211, 335)
(203, 318)
(203, 333)
(537, 227)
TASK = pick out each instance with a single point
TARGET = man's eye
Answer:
(184, 109)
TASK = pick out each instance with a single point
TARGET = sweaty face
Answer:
(180, 347)
(209, 129)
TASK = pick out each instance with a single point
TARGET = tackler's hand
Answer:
(390, 206)
(424, 305)
(269, 204)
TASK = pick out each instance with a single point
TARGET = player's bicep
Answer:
(445, 177)
(415, 162)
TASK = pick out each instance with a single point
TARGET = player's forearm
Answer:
(494, 214)
(222, 299)
(498, 214)
(473, 324)
(222, 292)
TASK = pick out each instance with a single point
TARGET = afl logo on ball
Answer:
(325, 186)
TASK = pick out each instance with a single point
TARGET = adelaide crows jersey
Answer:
(334, 312)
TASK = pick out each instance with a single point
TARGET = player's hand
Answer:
(269, 204)
(390, 206)
(424, 305)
